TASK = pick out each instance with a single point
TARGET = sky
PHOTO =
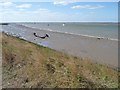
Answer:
(58, 11)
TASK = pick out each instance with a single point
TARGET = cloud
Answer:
(64, 2)
(87, 7)
(41, 10)
(60, 3)
(6, 4)
(24, 6)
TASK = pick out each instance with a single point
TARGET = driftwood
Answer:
(42, 37)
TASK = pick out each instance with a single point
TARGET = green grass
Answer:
(26, 64)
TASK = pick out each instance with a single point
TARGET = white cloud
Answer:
(6, 4)
(9, 4)
(60, 3)
(41, 14)
(45, 15)
(24, 6)
(64, 2)
(41, 10)
(87, 7)
(61, 0)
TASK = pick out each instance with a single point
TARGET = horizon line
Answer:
(62, 22)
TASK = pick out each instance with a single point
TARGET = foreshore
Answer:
(97, 49)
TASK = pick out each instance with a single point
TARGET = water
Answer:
(105, 30)
(103, 51)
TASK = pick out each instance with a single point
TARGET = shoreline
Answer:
(84, 35)
(102, 51)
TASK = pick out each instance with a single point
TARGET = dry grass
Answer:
(28, 65)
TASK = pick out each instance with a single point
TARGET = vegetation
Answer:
(27, 65)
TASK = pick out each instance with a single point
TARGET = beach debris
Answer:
(47, 35)
(42, 37)
(99, 38)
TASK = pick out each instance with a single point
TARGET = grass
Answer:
(27, 65)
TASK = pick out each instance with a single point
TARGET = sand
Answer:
(99, 50)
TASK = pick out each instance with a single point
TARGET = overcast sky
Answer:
(59, 11)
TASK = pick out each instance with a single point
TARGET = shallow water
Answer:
(106, 30)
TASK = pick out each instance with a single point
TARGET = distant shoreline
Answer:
(59, 22)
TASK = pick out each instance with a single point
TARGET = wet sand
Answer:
(99, 50)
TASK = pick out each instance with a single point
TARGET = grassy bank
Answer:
(29, 65)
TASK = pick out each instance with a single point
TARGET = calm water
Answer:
(107, 30)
